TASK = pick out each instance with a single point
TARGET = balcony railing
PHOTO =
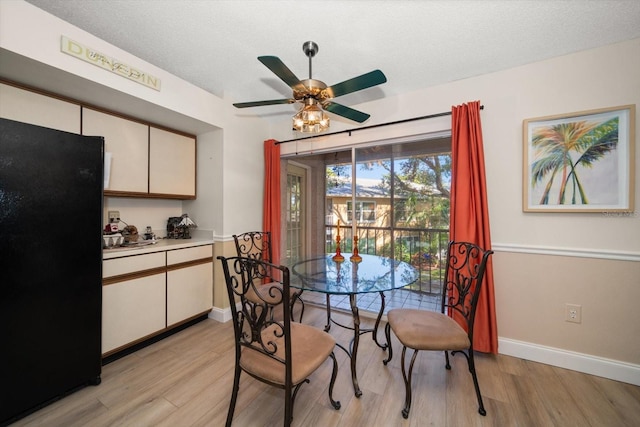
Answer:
(423, 248)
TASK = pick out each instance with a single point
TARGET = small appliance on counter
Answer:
(112, 240)
(130, 234)
(149, 234)
(113, 237)
(178, 227)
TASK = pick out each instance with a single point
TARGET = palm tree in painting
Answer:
(560, 148)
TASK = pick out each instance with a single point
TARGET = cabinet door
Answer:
(128, 143)
(172, 164)
(30, 107)
(189, 292)
(132, 310)
(189, 282)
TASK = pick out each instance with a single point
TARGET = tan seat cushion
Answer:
(270, 297)
(427, 330)
(310, 347)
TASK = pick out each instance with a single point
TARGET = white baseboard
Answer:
(588, 364)
(222, 315)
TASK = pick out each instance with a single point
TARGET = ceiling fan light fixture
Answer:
(316, 95)
(311, 118)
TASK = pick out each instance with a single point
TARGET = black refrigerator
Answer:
(51, 185)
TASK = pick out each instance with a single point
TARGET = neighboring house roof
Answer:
(367, 187)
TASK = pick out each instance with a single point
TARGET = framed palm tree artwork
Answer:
(580, 162)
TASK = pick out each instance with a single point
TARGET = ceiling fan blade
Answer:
(341, 110)
(262, 103)
(364, 81)
(279, 69)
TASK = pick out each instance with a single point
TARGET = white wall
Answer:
(206, 210)
(543, 260)
(229, 145)
(230, 177)
(35, 34)
(143, 212)
(587, 80)
(243, 160)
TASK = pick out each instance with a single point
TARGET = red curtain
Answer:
(271, 204)
(470, 213)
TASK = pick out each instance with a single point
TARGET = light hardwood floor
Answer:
(185, 380)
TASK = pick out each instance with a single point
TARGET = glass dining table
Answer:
(373, 274)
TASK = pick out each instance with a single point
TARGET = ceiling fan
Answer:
(315, 95)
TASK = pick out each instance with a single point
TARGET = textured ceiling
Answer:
(214, 44)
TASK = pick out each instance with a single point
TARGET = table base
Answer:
(352, 351)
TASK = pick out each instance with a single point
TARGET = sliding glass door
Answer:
(394, 198)
(295, 213)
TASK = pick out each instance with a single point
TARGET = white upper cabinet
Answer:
(31, 107)
(143, 160)
(128, 143)
(172, 163)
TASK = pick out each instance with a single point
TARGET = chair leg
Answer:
(334, 375)
(234, 395)
(297, 297)
(288, 405)
(472, 369)
(387, 333)
(328, 325)
(407, 381)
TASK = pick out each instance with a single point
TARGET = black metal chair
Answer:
(438, 331)
(281, 353)
(257, 245)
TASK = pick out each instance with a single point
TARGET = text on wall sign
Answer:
(92, 56)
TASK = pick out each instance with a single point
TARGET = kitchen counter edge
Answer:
(161, 245)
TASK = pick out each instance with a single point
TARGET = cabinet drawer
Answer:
(189, 254)
(131, 264)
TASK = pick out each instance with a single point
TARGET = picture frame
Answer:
(580, 162)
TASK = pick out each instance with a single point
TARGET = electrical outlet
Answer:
(573, 313)
(114, 216)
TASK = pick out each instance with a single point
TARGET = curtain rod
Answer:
(430, 116)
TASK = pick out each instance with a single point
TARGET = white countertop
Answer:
(160, 245)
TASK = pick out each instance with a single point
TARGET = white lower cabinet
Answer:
(145, 295)
(132, 310)
(189, 282)
(189, 292)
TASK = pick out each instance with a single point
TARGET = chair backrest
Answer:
(466, 264)
(253, 317)
(254, 244)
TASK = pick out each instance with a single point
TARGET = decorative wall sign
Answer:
(580, 162)
(94, 57)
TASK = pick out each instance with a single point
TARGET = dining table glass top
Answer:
(373, 274)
